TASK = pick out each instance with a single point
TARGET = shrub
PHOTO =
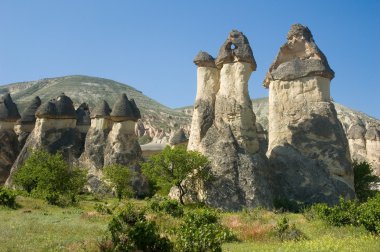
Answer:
(120, 178)
(102, 209)
(168, 206)
(7, 197)
(350, 213)
(131, 231)
(284, 231)
(50, 177)
(369, 214)
(201, 231)
(364, 179)
(287, 205)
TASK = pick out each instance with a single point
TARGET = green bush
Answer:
(369, 214)
(102, 208)
(7, 197)
(120, 178)
(130, 231)
(364, 179)
(168, 206)
(287, 205)
(202, 231)
(284, 231)
(49, 177)
(350, 213)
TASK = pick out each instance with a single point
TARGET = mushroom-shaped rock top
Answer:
(299, 57)
(8, 109)
(125, 110)
(28, 115)
(83, 114)
(102, 110)
(60, 108)
(235, 48)
(203, 59)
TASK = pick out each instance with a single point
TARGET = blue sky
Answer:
(150, 45)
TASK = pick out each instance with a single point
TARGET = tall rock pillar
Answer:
(223, 129)
(308, 150)
(204, 108)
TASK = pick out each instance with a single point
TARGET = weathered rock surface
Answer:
(25, 125)
(55, 130)
(9, 146)
(224, 129)
(122, 146)
(308, 150)
(92, 157)
(178, 137)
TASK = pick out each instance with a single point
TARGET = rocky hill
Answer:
(158, 121)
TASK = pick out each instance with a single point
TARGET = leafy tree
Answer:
(50, 177)
(174, 166)
(120, 178)
(363, 180)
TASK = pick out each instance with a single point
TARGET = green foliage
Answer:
(120, 178)
(102, 208)
(350, 213)
(144, 139)
(7, 197)
(130, 231)
(173, 166)
(363, 180)
(201, 231)
(287, 205)
(284, 231)
(51, 178)
(168, 206)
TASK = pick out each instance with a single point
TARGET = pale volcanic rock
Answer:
(224, 129)
(55, 130)
(122, 145)
(9, 146)
(25, 125)
(178, 137)
(308, 150)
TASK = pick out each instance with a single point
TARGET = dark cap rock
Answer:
(235, 48)
(102, 110)
(299, 57)
(83, 114)
(125, 110)
(28, 115)
(8, 109)
(60, 108)
(203, 59)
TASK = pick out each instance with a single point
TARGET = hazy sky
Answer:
(150, 45)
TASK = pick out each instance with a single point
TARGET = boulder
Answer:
(308, 151)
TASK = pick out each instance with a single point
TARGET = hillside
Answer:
(158, 119)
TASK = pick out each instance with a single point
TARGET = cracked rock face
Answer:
(223, 128)
(308, 150)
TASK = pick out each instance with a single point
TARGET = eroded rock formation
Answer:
(308, 150)
(9, 146)
(223, 128)
(25, 125)
(96, 139)
(55, 130)
(122, 146)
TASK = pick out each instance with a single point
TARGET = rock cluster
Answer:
(308, 150)
(9, 146)
(54, 130)
(223, 128)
